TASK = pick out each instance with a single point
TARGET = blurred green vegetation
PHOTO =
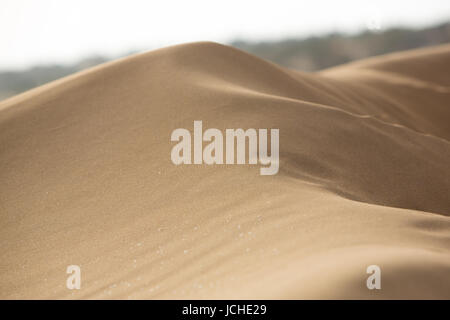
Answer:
(310, 54)
(317, 53)
(14, 82)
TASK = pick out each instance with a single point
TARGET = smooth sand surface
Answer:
(86, 178)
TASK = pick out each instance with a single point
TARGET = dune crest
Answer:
(364, 179)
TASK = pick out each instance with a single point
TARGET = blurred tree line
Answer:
(317, 53)
(310, 54)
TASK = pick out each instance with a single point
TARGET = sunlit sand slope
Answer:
(364, 179)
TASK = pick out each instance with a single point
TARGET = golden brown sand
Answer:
(86, 179)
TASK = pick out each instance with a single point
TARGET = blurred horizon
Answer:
(49, 39)
(305, 54)
(63, 32)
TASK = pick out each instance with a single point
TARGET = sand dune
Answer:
(87, 179)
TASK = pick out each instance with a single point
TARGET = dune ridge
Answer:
(364, 179)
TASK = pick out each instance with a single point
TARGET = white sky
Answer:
(62, 31)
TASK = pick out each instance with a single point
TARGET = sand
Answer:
(364, 179)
